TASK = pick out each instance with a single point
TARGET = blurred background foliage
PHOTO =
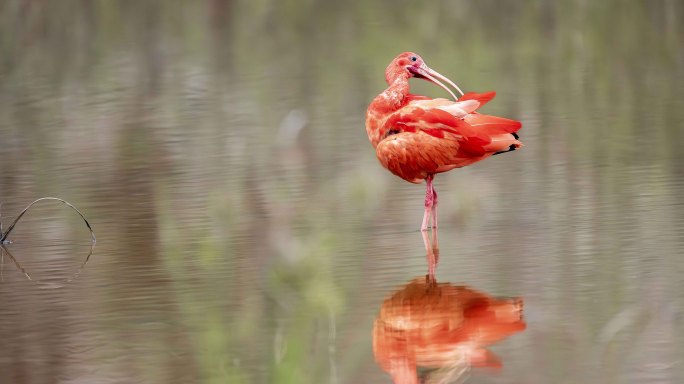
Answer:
(245, 230)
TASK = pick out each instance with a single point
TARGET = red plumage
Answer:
(416, 137)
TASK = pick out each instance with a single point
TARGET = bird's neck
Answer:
(393, 98)
(396, 93)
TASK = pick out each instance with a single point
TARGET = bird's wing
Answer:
(492, 125)
(465, 108)
(473, 133)
(468, 103)
(417, 142)
(480, 98)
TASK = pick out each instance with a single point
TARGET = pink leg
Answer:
(426, 218)
(429, 201)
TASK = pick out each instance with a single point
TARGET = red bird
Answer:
(416, 137)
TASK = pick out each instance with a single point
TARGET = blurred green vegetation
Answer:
(219, 148)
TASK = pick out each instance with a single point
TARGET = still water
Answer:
(247, 234)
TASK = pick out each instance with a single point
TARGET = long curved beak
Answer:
(435, 77)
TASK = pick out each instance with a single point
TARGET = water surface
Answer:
(246, 232)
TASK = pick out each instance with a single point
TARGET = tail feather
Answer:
(503, 143)
(492, 125)
(482, 98)
(511, 148)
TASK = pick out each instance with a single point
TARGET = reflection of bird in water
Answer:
(416, 137)
(439, 330)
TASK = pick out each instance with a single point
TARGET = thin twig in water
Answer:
(3, 236)
(4, 241)
(16, 262)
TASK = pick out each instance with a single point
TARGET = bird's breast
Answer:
(375, 126)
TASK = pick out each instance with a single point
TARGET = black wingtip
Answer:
(511, 148)
(515, 135)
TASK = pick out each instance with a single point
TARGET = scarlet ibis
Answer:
(416, 137)
(441, 330)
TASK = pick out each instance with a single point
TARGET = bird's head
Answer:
(412, 65)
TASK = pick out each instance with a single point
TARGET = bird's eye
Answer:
(413, 58)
